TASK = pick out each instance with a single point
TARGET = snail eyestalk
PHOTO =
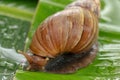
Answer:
(26, 55)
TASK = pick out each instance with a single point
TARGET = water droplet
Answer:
(18, 37)
(3, 30)
(11, 4)
(8, 36)
(13, 26)
(4, 78)
(2, 23)
(24, 34)
(22, 7)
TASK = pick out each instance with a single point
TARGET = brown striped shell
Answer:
(74, 29)
(66, 41)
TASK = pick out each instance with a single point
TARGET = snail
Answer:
(67, 40)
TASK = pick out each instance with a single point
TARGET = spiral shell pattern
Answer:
(75, 30)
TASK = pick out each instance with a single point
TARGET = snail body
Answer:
(67, 40)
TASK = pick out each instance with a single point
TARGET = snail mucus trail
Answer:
(67, 40)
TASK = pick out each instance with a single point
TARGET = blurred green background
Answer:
(19, 19)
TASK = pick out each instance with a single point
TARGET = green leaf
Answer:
(13, 32)
(15, 22)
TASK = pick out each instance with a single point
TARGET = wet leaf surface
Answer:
(15, 17)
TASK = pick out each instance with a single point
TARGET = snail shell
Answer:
(65, 40)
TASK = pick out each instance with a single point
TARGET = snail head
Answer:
(36, 62)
